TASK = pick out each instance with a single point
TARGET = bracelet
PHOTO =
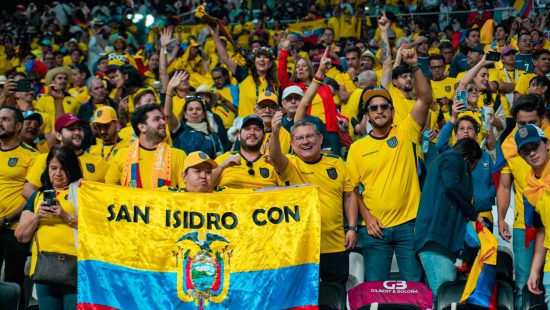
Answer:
(317, 81)
(70, 220)
(317, 77)
(415, 68)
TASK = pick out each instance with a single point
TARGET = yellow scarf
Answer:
(162, 171)
(535, 188)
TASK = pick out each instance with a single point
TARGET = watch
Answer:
(354, 228)
(7, 222)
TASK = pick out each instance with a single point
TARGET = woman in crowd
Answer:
(50, 223)
(190, 130)
(540, 85)
(129, 83)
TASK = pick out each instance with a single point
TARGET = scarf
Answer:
(162, 167)
(532, 194)
(201, 127)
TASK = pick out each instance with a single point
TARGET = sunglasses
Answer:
(265, 51)
(528, 148)
(383, 106)
(250, 169)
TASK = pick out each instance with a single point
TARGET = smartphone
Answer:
(462, 96)
(493, 56)
(50, 197)
(23, 85)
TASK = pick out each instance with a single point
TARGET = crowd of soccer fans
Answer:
(412, 118)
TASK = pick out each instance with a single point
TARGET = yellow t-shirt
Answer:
(93, 168)
(344, 79)
(330, 175)
(107, 152)
(53, 234)
(387, 169)
(351, 108)
(79, 93)
(146, 159)
(444, 88)
(522, 84)
(46, 104)
(238, 176)
(348, 28)
(15, 165)
(401, 104)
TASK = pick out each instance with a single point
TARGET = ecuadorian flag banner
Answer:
(140, 249)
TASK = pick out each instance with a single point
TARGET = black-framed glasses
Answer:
(528, 148)
(249, 164)
(383, 106)
(263, 106)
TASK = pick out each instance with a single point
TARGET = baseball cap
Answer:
(31, 115)
(104, 115)
(253, 118)
(292, 90)
(67, 120)
(528, 134)
(507, 50)
(370, 93)
(268, 96)
(476, 48)
(399, 70)
(197, 158)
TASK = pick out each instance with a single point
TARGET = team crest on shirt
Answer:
(90, 168)
(448, 89)
(332, 173)
(12, 161)
(264, 172)
(392, 142)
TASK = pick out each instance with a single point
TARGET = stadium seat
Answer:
(356, 269)
(450, 292)
(9, 295)
(331, 296)
(389, 307)
(532, 301)
(505, 266)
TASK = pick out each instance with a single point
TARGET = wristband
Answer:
(415, 68)
(354, 228)
(317, 81)
(317, 77)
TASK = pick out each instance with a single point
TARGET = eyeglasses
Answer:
(263, 106)
(383, 106)
(250, 168)
(470, 90)
(528, 148)
(304, 138)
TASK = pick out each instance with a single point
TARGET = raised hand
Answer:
(409, 57)
(276, 121)
(56, 92)
(176, 81)
(165, 37)
(383, 23)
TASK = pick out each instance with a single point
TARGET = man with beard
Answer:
(524, 58)
(68, 131)
(443, 86)
(106, 124)
(385, 163)
(17, 159)
(57, 80)
(228, 96)
(149, 162)
(256, 172)
(345, 79)
(31, 130)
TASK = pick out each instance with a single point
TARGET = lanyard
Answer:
(112, 148)
(508, 76)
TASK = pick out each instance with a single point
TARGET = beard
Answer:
(6, 134)
(251, 147)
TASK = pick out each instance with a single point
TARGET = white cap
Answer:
(292, 90)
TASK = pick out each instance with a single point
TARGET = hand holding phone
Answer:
(462, 96)
(23, 85)
(492, 56)
(50, 198)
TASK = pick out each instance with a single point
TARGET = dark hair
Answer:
(528, 103)
(504, 27)
(203, 105)
(445, 45)
(538, 32)
(82, 68)
(134, 79)
(541, 81)
(523, 34)
(353, 49)
(137, 98)
(223, 71)
(437, 57)
(140, 115)
(17, 114)
(68, 159)
(471, 30)
(469, 149)
(470, 119)
(330, 29)
(538, 53)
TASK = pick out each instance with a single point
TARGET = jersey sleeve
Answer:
(35, 172)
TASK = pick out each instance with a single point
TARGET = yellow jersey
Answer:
(329, 173)
(387, 168)
(401, 104)
(262, 173)
(93, 167)
(46, 104)
(522, 84)
(345, 79)
(53, 234)
(444, 88)
(80, 93)
(16, 164)
(248, 95)
(146, 159)
(351, 108)
(107, 151)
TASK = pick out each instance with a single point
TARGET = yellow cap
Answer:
(197, 158)
(268, 96)
(193, 43)
(105, 115)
